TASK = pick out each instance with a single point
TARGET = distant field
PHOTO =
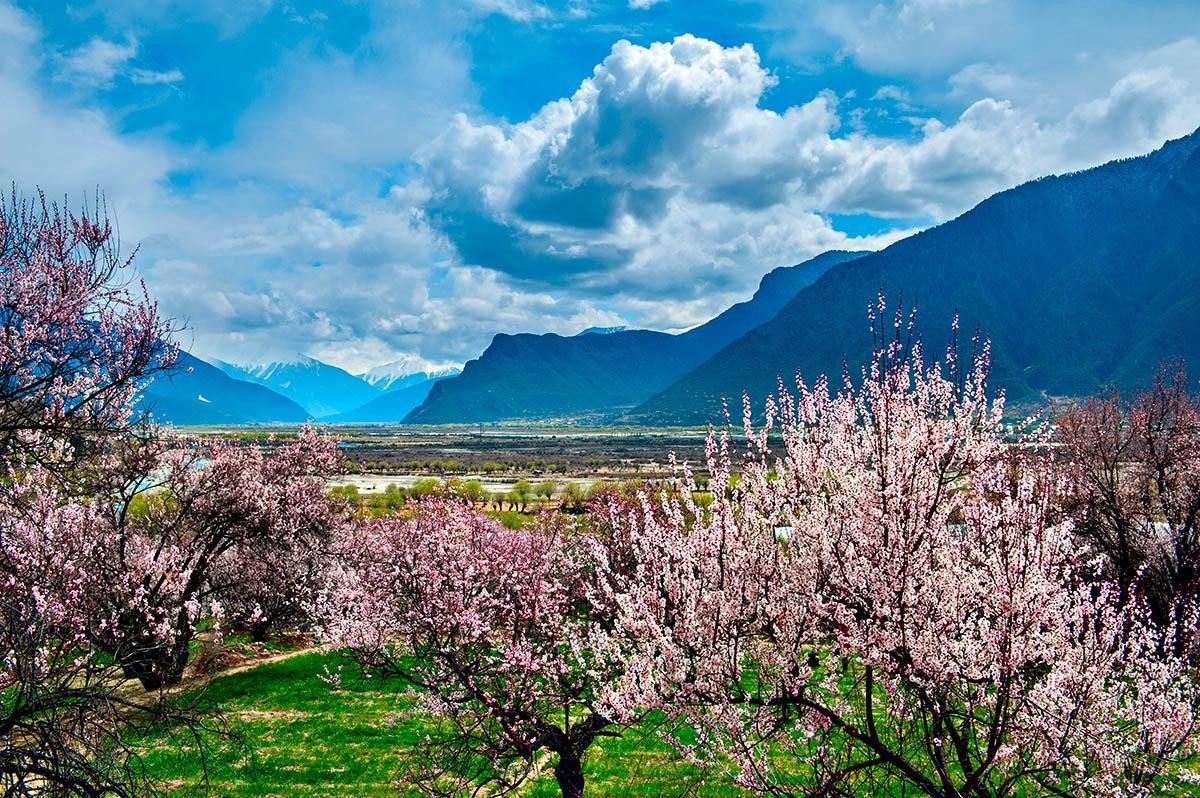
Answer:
(377, 483)
(293, 734)
(382, 452)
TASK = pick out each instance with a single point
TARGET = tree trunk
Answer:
(259, 630)
(569, 772)
(161, 666)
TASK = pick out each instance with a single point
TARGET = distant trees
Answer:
(573, 499)
(472, 490)
(521, 494)
(1135, 475)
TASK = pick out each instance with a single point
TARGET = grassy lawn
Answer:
(289, 733)
(292, 734)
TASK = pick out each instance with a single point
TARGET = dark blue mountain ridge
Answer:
(1080, 281)
(539, 377)
(195, 392)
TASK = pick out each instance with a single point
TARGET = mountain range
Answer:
(1080, 282)
(321, 389)
(195, 392)
(598, 375)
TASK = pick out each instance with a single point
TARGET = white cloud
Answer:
(69, 149)
(891, 92)
(1141, 109)
(642, 5)
(149, 77)
(992, 80)
(520, 10)
(96, 63)
(661, 165)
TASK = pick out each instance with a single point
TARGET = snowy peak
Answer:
(268, 371)
(320, 388)
(325, 390)
(196, 392)
(407, 371)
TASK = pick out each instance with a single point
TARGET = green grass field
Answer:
(289, 733)
(285, 731)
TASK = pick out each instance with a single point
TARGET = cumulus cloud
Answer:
(656, 135)
(665, 161)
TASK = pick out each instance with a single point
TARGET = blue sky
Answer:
(370, 181)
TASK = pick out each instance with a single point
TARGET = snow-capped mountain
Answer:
(321, 389)
(195, 392)
(406, 372)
